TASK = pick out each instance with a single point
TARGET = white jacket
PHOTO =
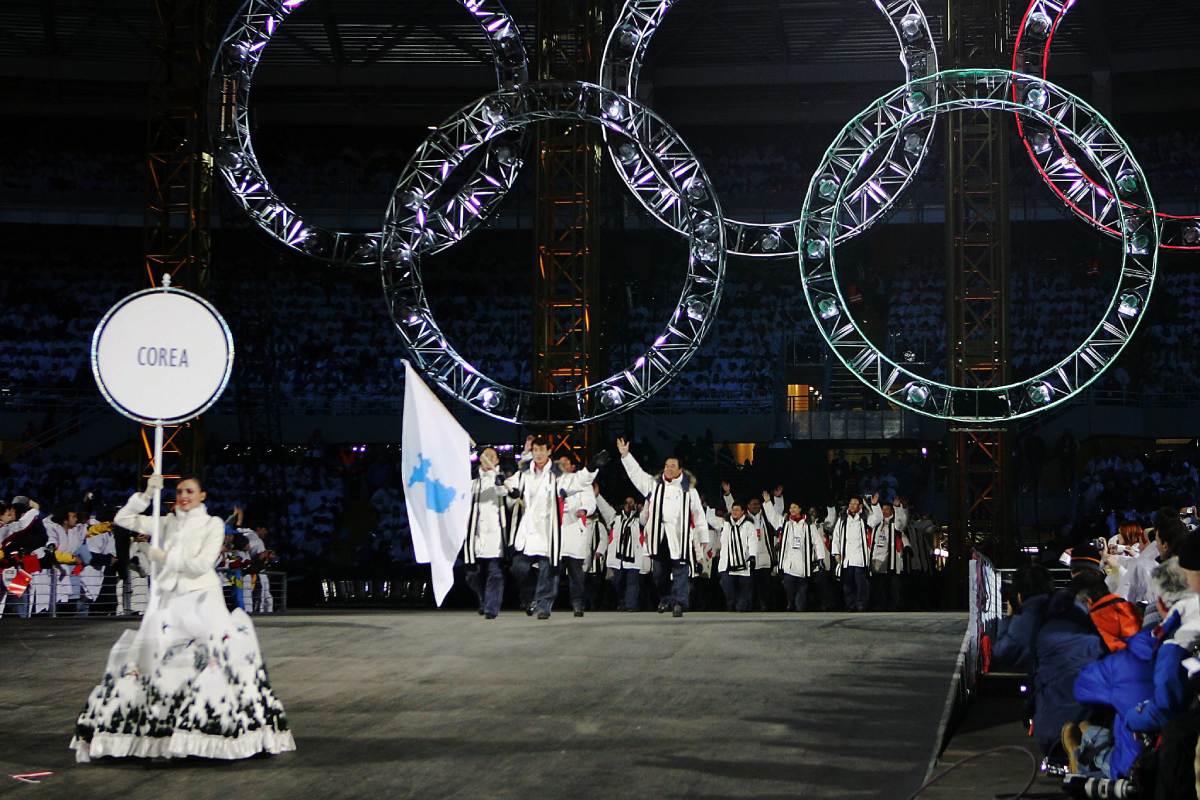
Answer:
(627, 529)
(673, 510)
(539, 518)
(884, 558)
(485, 523)
(738, 546)
(850, 541)
(192, 540)
(802, 549)
(576, 533)
(764, 543)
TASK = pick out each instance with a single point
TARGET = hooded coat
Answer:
(1121, 681)
(1065, 643)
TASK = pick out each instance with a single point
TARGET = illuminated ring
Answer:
(875, 193)
(452, 143)
(980, 89)
(1085, 197)
(237, 58)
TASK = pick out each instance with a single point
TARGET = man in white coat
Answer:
(765, 555)
(802, 552)
(738, 546)
(890, 553)
(483, 548)
(540, 488)
(674, 517)
(626, 552)
(577, 546)
(852, 554)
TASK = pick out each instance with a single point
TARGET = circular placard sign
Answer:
(162, 356)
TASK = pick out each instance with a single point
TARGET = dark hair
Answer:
(1089, 582)
(190, 477)
(1031, 580)
(737, 504)
(1172, 532)
(539, 441)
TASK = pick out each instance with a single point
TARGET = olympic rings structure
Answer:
(238, 56)
(868, 201)
(457, 177)
(684, 188)
(1058, 167)
(1049, 105)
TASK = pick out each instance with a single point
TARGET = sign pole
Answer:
(158, 454)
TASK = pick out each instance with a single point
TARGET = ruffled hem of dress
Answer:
(182, 744)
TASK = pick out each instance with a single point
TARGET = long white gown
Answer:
(190, 681)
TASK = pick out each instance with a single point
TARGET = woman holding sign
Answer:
(191, 680)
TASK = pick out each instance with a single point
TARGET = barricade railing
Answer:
(126, 595)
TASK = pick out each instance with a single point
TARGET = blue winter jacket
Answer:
(1121, 681)
(1013, 647)
(1171, 694)
(1065, 643)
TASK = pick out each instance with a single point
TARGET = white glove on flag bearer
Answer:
(435, 466)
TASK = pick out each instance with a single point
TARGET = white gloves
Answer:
(157, 555)
(153, 483)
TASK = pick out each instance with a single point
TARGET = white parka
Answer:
(888, 535)
(738, 545)
(192, 540)
(850, 541)
(485, 520)
(802, 548)
(576, 533)
(627, 530)
(539, 516)
(673, 510)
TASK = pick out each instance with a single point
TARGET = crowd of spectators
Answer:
(1111, 657)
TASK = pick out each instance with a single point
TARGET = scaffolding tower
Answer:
(567, 215)
(179, 171)
(977, 250)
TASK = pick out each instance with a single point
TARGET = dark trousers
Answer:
(762, 588)
(887, 591)
(537, 592)
(1176, 777)
(856, 588)
(672, 579)
(575, 585)
(626, 583)
(486, 580)
(797, 591)
(738, 590)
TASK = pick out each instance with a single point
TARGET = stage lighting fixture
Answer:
(696, 308)
(828, 308)
(1127, 182)
(815, 249)
(490, 399)
(1038, 23)
(1039, 393)
(1130, 305)
(916, 394)
(771, 241)
(610, 398)
(1036, 97)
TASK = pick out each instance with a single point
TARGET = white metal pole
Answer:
(158, 450)
(155, 536)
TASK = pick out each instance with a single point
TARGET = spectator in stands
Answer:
(1115, 618)
(1031, 588)
(1065, 643)
(1119, 681)
(1135, 586)
(1178, 750)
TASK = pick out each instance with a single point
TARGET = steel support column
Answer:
(566, 229)
(977, 257)
(179, 172)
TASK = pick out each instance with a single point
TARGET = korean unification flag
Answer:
(436, 469)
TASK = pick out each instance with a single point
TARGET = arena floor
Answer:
(445, 704)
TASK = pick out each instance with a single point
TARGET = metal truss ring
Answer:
(237, 58)
(681, 188)
(1059, 168)
(1000, 90)
(865, 203)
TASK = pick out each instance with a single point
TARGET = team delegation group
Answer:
(548, 517)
